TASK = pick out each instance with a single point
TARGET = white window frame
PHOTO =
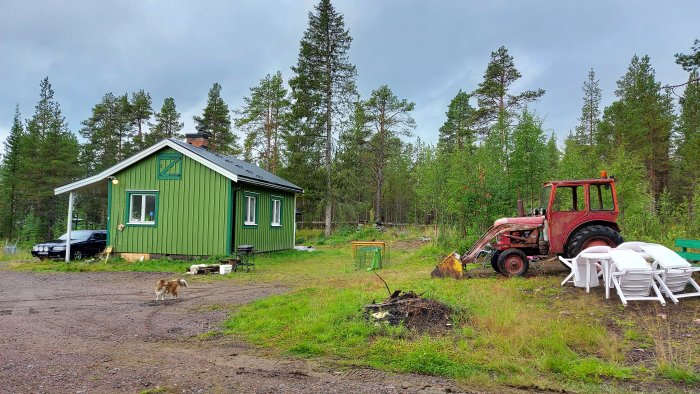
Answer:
(142, 219)
(251, 214)
(276, 212)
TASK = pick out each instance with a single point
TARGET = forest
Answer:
(358, 159)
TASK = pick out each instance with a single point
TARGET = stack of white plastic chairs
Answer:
(637, 271)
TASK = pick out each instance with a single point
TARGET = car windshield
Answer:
(78, 235)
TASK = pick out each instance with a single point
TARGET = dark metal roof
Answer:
(246, 172)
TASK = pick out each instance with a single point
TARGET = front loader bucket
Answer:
(451, 266)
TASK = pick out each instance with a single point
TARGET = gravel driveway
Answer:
(104, 332)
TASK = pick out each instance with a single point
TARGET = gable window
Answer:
(250, 207)
(170, 166)
(142, 208)
(276, 219)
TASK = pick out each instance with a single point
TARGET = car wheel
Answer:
(77, 255)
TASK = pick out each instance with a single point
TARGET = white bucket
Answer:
(225, 269)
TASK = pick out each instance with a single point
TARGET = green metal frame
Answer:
(175, 161)
(127, 212)
(245, 206)
(272, 210)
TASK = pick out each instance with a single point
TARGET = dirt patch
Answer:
(104, 332)
(547, 266)
(409, 244)
(413, 311)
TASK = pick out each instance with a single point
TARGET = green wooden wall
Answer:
(264, 237)
(192, 213)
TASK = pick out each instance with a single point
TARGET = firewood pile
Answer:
(412, 310)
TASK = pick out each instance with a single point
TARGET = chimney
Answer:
(200, 140)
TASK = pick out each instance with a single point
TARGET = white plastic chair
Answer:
(637, 247)
(633, 277)
(677, 272)
(584, 272)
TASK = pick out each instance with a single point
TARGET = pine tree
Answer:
(216, 121)
(495, 101)
(262, 118)
(529, 158)
(323, 90)
(690, 62)
(590, 112)
(553, 157)
(459, 129)
(689, 137)
(167, 123)
(497, 105)
(641, 120)
(141, 111)
(107, 133)
(574, 164)
(390, 118)
(112, 135)
(9, 179)
(352, 175)
(49, 159)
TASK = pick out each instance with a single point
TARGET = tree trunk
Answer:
(327, 160)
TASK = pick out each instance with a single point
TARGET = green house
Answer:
(179, 198)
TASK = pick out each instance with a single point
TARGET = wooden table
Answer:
(358, 244)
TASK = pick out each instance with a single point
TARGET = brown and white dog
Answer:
(168, 286)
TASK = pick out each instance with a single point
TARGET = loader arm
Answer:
(492, 232)
(453, 265)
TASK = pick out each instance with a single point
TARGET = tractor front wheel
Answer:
(596, 235)
(513, 262)
(494, 260)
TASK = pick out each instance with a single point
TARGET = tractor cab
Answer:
(570, 206)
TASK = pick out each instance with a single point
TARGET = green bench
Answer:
(686, 244)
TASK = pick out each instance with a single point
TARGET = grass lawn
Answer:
(519, 333)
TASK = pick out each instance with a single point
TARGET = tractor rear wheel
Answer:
(596, 235)
(513, 262)
(494, 260)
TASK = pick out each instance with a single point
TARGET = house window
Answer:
(276, 212)
(142, 208)
(169, 166)
(251, 205)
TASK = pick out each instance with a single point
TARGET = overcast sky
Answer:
(424, 50)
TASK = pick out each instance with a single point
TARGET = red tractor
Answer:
(572, 216)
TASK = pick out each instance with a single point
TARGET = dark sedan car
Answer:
(83, 243)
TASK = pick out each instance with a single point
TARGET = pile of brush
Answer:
(411, 310)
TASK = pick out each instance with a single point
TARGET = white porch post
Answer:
(69, 226)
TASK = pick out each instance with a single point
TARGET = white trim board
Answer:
(138, 157)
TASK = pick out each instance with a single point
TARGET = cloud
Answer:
(425, 51)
